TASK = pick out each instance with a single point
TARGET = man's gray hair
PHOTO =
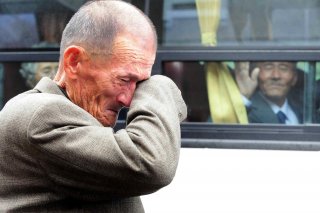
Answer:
(96, 24)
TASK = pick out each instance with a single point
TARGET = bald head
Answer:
(97, 23)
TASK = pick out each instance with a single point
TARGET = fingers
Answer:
(247, 83)
(242, 68)
(255, 74)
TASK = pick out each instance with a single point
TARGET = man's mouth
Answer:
(275, 85)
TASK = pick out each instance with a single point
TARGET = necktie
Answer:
(281, 117)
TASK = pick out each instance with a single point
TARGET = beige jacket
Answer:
(56, 157)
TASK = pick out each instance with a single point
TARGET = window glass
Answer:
(248, 92)
(18, 77)
(38, 24)
(34, 23)
(240, 23)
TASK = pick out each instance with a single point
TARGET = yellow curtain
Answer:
(209, 17)
(225, 100)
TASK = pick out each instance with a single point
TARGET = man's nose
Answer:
(275, 73)
(125, 97)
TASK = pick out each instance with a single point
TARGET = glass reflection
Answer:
(28, 23)
(241, 22)
(234, 23)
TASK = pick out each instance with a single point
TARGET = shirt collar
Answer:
(275, 108)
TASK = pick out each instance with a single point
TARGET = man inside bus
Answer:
(58, 150)
(32, 72)
(266, 91)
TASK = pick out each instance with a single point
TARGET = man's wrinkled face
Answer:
(276, 79)
(107, 83)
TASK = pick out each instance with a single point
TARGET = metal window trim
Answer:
(188, 54)
(252, 136)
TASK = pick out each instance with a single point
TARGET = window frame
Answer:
(251, 136)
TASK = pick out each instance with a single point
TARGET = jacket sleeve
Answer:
(85, 160)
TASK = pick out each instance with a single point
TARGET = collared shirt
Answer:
(286, 109)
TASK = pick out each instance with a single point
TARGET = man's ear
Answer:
(72, 57)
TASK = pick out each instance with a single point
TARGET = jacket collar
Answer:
(46, 85)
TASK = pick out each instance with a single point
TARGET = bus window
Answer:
(32, 72)
(34, 24)
(190, 78)
(19, 77)
(241, 92)
(234, 23)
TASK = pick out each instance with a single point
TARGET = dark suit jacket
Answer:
(56, 157)
(261, 112)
